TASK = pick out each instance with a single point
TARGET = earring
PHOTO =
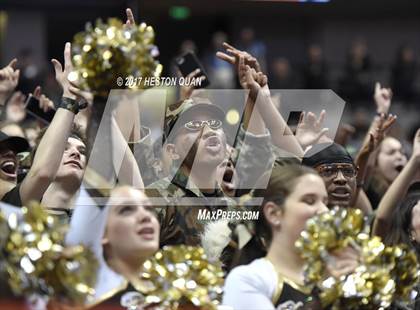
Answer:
(412, 237)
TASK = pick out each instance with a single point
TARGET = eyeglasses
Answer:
(331, 171)
(197, 125)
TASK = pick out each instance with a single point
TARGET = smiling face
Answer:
(391, 159)
(308, 199)
(8, 164)
(73, 162)
(132, 228)
(206, 145)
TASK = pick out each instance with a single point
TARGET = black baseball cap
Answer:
(180, 113)
(16, 144)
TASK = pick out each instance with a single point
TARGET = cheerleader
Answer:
(270, 275)
(123, 236)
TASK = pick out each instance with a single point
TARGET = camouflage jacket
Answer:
(180, 208)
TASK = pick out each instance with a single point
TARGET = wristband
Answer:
(69, 104)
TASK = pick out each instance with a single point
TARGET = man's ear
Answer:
(273, 214)
(171, 150)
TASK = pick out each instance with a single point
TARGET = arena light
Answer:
(233, 117)
(179, 12)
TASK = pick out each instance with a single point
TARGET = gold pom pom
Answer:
(180, 275)
(74, 274)
(36, 260)
(384, 275)
(112, 50)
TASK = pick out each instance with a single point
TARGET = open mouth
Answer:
(147, 233)
(74, 163)
(9, 168)
(399, 168)
(228, 175)
(213, 141)
(213, 144)
(341, 193)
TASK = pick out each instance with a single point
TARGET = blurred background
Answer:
(341, 45)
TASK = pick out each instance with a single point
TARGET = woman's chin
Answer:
(148, 249)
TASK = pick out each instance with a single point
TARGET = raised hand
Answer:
(250, 79)
(44, 102)
(382, 98)
(70, 88)
(378, 133)
(232, 56)
(416, 148)
(310, 129)
(15, 110)
(62, 75)
(8, 80)
(130, 18)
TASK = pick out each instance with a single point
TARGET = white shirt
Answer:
(251, 286)
(87, 227)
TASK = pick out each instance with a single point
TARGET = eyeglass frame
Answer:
(340, 168)
(204, 122)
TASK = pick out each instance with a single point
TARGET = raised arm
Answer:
(265, 106)
(252, 81)
(9, 78)
(244, 64)
(381, 123)
(397, 191)
(380, 126)
(51, 148)
(125, 127)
